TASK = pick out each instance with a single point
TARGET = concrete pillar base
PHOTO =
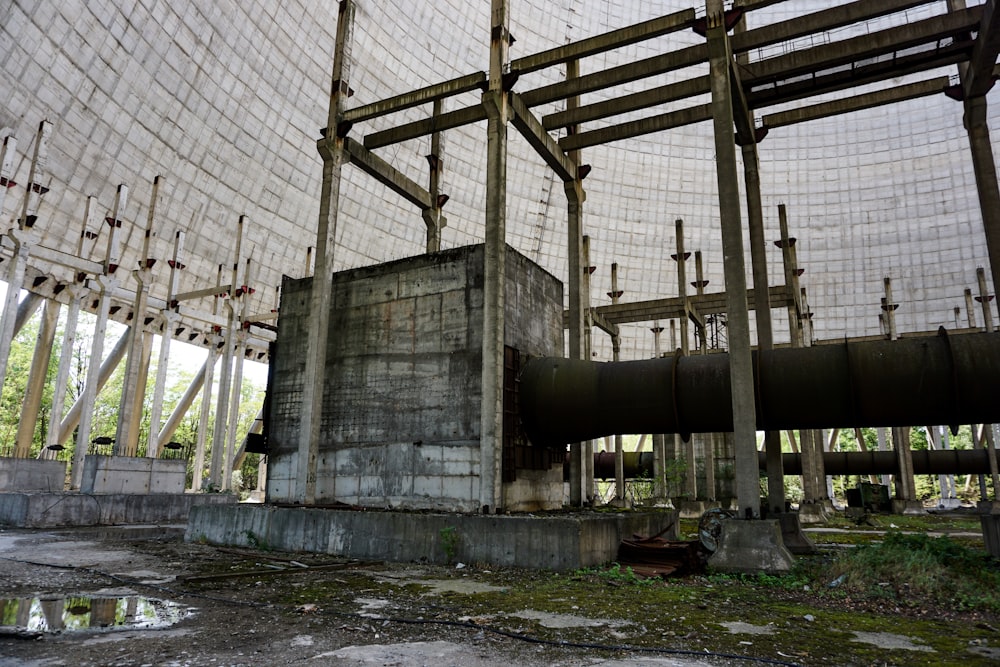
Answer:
(751, 546)
(991, 533)
(791, 534)
(948, 503)
(619, 503)
(812, 513)
(693, 509)
(988, 506)
(910, 507)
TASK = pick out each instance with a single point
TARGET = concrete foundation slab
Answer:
(31, 475)
(751, 546)
(553, 542)
(50, 510)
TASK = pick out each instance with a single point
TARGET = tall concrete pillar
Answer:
(107, 283)
(75, 294)
(137, 361)
(991, 451)
(762, 311)
(616, 348)
(658, 439)
(36, 380)
(206, 406)
(985, 170)
(22, 238)
(590, 490)
(432, 217)
(691, 464)
(741, 367)
(331, 150)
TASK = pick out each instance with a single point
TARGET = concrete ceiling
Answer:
(225, 101)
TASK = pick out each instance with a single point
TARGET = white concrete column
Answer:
(106, 285)
(168, 318)
(331, 149)
(22, 238)
(36, 379)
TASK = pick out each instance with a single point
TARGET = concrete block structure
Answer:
(403, 400)
(132, 475)
(31, 475)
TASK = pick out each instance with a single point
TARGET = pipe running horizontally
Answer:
(935, 379)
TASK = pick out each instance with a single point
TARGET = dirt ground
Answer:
(236, 607)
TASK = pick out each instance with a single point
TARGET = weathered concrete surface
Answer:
(751, 546)
(49, 510)
(991, 533)
(402, 404)
(562, 542)
(132, 474)
(31, 475)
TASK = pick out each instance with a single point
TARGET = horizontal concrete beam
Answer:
(857, 103)
(387, 175)
(811, 61)
(673, 307)
(462, 84)
(608, 41)
(626, 103)
(761, 95)
(202, 293)
(821, 21)
(420, 128)
(637, 128)
(602, 323)
(532, 130)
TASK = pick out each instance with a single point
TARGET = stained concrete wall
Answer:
(557, 542)
(401, 412)
(31, 475)
(49, 510)
(132, 474)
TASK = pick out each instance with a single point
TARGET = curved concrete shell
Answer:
(226, 99)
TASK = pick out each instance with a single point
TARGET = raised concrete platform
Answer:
(132, 474)
(908, 507)
(552, 542)
(31, 475)
(49, 510)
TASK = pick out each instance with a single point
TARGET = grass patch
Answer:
(902, 566)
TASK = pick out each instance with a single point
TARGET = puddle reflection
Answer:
(56, 614)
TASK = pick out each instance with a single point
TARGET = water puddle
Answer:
(57, 614)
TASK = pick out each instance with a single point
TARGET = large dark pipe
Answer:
(925, 462)
(930, 380)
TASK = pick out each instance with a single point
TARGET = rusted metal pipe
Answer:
(935, 379)
(925, 462)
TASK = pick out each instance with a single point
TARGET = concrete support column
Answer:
(52, 441)
(985, 299)
(36, 380)
(331, 150)
(234, 410)
(22, 238)
(906, 488)
(496, 103)
(741, 366)
(762, 311)
(106, 285)
(137, 361)
(215, 341)
(590, 490)
(985, 170)
(432, 216)
(659, 439)
(616, 347)
(681, 257)
(217, 474)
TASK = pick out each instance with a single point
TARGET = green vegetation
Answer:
(449, 543)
